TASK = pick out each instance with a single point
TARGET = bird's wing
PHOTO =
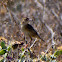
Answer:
(31, 30)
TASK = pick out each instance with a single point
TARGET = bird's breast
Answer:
(24, 29)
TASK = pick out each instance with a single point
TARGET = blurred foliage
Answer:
(2, 52)
(3, 45)
(26, 54)
(58, 53)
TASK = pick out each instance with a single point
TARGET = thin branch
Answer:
(33, 43)
(38, 4)
(55, 14)
(52, 34)
(48, 48)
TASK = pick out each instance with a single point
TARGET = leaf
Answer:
(3, 45)
(9, 48)
(22, 49)
(2, 52)
(57, 53)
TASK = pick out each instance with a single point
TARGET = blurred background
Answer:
(46, 18)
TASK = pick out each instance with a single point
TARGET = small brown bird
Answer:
(28, 30)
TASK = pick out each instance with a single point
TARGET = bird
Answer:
(28, 29)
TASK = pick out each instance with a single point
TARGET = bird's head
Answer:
(25, 21)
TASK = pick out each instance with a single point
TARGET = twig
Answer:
(33, 43)
(38, 4)
(49, 46)
(56, 15)
(52, 34)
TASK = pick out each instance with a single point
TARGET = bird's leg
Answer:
(30, 40)
(25, 42)
(28, 43)
(25, 39)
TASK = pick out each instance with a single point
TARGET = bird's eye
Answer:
(26, 19)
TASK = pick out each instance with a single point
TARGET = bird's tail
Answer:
(39, 38)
